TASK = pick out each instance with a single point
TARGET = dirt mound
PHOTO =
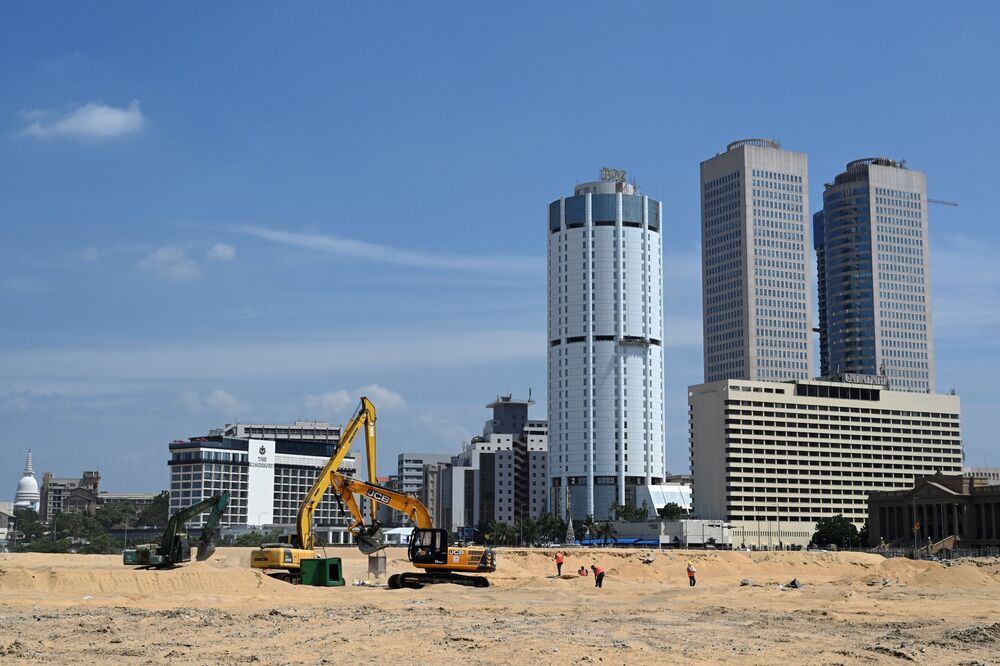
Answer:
(730, 567)
(978, 634)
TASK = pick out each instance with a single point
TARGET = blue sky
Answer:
(254, 211)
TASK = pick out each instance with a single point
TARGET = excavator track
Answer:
(416, 581)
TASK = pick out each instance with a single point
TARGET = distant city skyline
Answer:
(200, 226)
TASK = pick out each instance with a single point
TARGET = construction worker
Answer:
(691, 572)
(582, 571)
(560, 558)
(598, 575)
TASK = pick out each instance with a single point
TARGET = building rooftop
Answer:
(509, 400)
(759, 143)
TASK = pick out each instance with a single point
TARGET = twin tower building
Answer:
(605, 301)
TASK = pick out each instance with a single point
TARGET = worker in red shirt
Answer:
(598, 575)
(691, 572)
(560, 558)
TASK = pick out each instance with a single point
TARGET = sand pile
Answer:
(730, 567)
(228, 576)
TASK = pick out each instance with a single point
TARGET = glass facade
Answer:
(873, 263)
(850, 309)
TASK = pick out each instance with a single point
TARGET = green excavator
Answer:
(175, 545)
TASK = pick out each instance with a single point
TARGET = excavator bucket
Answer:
(205, 550)
(370, 544)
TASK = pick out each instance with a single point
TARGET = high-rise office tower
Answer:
(605, 325)
(754, 258)
(874, 263)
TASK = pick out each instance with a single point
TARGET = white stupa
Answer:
(27, 496)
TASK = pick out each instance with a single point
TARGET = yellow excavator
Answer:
(429, 547)
(282, 560)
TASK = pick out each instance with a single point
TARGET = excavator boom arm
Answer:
(363, 418)
(208, 530)
(346, 488)
(178, 519)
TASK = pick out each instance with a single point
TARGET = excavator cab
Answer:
(429, 546)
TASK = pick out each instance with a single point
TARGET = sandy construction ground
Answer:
(854, 608)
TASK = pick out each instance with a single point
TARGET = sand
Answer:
(854, 608)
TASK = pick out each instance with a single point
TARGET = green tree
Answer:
(864, 536)
(526, 531)
(255, 538)
(157, 513)
(606, 532)
(627, 513)
(584, 529)
(500, 534)
(552, 528)
(116, 515)
(837, 530)
(670, 511)
(28, 523)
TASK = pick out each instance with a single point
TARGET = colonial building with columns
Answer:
(937, 507)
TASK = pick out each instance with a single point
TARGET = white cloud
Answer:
(346, 247)
(90, 121)
(170, 262)
(216, 401)
(444, 428)
(336, 402)
(236, 360)
(222, 252)
(222, 401)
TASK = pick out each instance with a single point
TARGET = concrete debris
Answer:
(746, 582)
(795, 584)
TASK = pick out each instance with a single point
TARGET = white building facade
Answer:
(605, 346)
(267, 480)
(756, 300)
(774, 458)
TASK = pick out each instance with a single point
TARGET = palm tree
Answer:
(584, 528)
(500, 534)
(606, 532)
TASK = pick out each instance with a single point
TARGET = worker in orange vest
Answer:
(691, 572)
(598, 575)
(560, 558)
(583, 571)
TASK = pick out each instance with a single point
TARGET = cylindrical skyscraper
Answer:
(605, 344)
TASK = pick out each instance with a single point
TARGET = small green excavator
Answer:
(175, 546)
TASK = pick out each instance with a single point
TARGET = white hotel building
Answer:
(773, 458)
(267, 469)
(605, 345)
